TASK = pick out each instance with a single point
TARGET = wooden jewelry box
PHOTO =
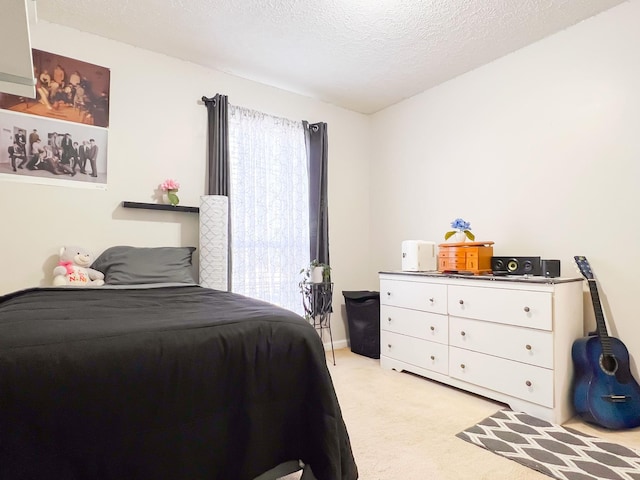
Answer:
(465, 257)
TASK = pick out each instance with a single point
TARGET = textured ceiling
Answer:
(363, 55)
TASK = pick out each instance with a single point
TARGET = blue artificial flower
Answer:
(459, 225)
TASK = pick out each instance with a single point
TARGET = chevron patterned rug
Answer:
(558, 452)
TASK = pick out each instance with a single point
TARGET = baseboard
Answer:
(336, 345)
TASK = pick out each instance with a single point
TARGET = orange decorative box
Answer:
(465, 257)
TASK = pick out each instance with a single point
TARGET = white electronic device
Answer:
(419, 256)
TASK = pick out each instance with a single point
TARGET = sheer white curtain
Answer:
(269, 206)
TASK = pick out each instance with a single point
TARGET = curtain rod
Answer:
(209, 100)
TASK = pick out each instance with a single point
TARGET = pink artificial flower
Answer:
(169, 184)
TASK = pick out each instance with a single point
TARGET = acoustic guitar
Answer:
(605, 392)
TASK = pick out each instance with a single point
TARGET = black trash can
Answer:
(363, 319)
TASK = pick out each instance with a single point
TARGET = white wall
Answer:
(158, 131)
(538, 150)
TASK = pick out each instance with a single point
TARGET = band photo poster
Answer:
(59, 137)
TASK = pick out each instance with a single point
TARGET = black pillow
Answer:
(124, 265)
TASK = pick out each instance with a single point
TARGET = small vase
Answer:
(316, 274)
(170, 197)
(458, 237)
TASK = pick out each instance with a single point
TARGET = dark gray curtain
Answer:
(218, 158)
(218, 145)
(317, 155)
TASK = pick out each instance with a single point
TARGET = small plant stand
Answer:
(317, 302)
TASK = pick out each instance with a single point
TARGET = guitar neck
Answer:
(600, 323)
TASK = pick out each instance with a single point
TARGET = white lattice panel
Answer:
(214, 241)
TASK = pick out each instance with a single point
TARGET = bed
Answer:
(163, 380)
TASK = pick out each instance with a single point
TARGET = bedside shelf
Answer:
(160, 206)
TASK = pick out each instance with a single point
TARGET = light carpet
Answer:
(403, 427)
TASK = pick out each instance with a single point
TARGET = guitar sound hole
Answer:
(608, 364)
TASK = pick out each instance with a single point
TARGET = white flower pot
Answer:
(165, 197)
(316, 274)
(458, 237)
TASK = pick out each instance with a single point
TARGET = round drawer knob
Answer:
(528, 347)
(463, 333)
(462, 365)
(527, 309)
(388, 294)
(431, 300)
(389, 319)
(461, 302)
(432, 328)
(433, 357)
(389, 345)
(528, 383)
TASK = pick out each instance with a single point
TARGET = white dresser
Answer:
(505, 338)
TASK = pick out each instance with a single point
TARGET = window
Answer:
(269, 206)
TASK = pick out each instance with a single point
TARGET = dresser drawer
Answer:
(451, 264)
(472, 263)
(515, 307)
(533, 384)
(452, 253)
(429, 297)
(425, 325)
(421, 353)
(526, 345)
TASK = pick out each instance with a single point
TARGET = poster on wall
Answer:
(60, 137)
(39, 150)
(66, 89)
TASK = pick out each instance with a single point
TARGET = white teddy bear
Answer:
(73, 269)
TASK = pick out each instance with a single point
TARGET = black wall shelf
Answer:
(160, 206)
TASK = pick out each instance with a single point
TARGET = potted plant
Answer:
(170, 192)
(316, 272)
(461, 231)
(317, 292)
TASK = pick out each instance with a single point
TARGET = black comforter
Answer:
(163, 383)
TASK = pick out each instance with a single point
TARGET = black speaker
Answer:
(516, 265)
(550, 268)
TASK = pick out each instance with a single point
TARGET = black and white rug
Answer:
(559, 452)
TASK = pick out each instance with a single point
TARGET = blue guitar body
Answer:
(611, 400)
(604, 390)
